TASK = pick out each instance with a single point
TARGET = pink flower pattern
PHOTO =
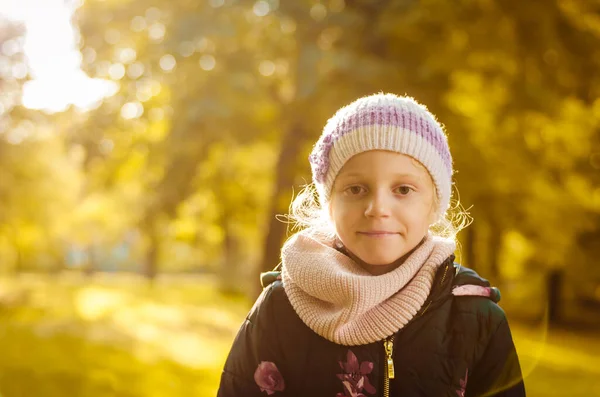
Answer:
(463, 385)
(354, 379)
(268, 378)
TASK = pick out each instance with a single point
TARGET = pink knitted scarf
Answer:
(345, 304)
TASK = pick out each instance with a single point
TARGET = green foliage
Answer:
(218, 104)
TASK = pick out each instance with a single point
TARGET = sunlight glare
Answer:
(53, 60)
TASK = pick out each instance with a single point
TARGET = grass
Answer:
(114, 336)
(558, 362)
(118, 336)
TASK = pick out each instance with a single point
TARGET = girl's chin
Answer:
(373, 259)
(379, 260)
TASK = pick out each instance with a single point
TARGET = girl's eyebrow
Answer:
(397, 175)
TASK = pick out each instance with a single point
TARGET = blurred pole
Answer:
(554, 284)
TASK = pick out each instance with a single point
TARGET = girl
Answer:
(369, 301)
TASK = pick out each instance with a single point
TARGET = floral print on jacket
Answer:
(268, 378)
(355, 379)
(463, 385)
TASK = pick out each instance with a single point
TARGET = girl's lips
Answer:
(377, 233)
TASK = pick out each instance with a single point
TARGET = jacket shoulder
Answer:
(465, 275)
(485, 308)
(272, 304)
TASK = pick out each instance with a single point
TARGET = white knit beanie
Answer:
(383, 122)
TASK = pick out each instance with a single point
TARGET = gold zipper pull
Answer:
(389, 349)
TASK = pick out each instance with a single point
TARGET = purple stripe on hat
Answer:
(424, 127)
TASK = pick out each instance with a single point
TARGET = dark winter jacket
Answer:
(455, 346)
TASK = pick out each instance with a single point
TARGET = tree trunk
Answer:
(19, 260)
(291, 145)
(90, 266)
(229, 272)
(19, 266)
(151, 264)
(282, 193)
(495, 244)
(306, 82)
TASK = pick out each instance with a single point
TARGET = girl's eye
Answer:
(355, 190)
(403, 190)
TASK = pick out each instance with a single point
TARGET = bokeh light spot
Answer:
(112, 36)
(138, 24)
(126, 55)
(167, 62)
(19, 70)
(153, 14)
(135, 70)
(266, 68)
(288, 25)
(156, 32)
(156, 114)
(207, 62)
(102, 68)
(88, 55)
(116, 71)
(187, 49)
(217, 3)
(106, 146)
(261, 8)
(337, 5)
(132, 110)
(10, 47)
(318, 12)
(202, 44)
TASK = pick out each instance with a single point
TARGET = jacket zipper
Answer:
(388, 345)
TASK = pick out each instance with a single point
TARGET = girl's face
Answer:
(382, 204)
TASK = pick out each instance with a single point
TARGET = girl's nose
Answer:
(378, 205)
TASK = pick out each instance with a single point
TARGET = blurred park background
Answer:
(147, 147)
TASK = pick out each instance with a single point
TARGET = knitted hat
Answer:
(383, 122)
